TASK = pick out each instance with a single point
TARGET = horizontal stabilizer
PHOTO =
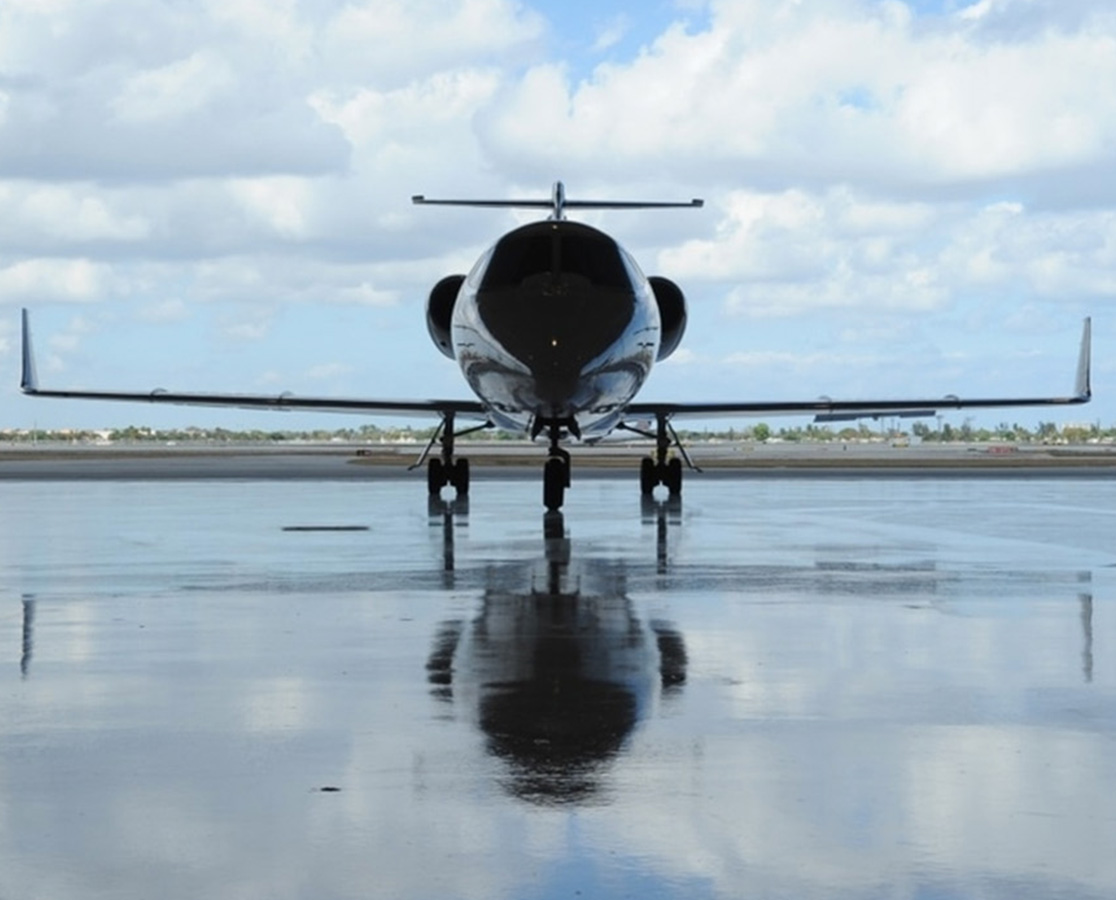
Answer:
(558, 204)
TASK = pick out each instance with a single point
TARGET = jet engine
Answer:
(672, 314)
(439, 312)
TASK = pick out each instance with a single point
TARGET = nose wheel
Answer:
(556, 478)
(556, 472)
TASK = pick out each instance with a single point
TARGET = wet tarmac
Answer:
(781, 687)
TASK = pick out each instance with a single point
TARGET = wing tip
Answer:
(29, 381)
(1082, 387)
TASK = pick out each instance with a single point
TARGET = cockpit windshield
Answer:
(566, 248)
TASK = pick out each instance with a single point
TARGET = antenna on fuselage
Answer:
(558, 204)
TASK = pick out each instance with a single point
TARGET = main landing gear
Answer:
(455, 473)
(658, 469)
(444, 469)
(652, 474)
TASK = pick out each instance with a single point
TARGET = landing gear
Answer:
(658, 469)
(556, 472)
(556, 478)
(456, 474)
(445, 469)
(668, 474)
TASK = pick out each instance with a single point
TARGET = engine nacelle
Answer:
(439, 312)
(672, 314)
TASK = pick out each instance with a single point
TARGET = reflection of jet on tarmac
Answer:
(556, 329)
(556, 669)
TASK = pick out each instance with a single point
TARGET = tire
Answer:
(460, 478)
(648, 477)
(555, 476)
(435, 476)
(673, 478)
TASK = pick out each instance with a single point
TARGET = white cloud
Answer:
(174, 90)
(393, 42)
(66, 280)
(790, 361)
(782, 254)
(72, 213)
(280, 203)
(864, 165)
(787, 253)
(170, 310)
(368, 295)
(246, 327)
(328, 371)
(278, 24)
(795, 92)
(610, 33)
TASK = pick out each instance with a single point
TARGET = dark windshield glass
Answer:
(551, 247)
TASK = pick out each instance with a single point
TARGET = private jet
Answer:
(556, 329)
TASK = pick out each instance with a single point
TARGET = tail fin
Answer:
(558, 204)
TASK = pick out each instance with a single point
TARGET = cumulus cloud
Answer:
(867, 164)
(247, 326)
(173, 90)
(611, 32)
(169, 310)
(71, 214)
(67, 280)
(800, 93)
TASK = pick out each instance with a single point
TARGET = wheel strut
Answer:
(661, 468)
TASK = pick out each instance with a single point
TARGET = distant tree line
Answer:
(762, 432)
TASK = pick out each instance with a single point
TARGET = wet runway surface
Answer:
(782, 687)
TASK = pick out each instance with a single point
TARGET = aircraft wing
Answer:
(826, 409)
(29, 384)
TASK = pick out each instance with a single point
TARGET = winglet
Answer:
(1082, 387)
(29, 383)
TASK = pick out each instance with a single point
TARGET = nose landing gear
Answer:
(556, 472)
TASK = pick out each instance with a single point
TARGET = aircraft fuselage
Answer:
(556, 324)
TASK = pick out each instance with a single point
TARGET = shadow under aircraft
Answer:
(556, 669)
(556, 328)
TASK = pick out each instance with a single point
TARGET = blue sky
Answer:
(902, 197)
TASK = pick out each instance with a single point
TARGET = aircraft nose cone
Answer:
(557, 328)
